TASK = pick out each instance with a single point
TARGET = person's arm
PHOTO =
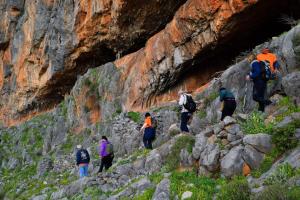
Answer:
(143, 127)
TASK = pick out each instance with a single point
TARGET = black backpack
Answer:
(265, 70)
(154, 122)
(190, 104)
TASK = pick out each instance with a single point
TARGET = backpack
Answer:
(265, 70)
(190, 104)
(110, 148)
(154, 122)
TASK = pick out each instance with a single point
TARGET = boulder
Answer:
(162, 190)
(285, 122)
(186, 195)
(261, 142)
(291, 84)
(186, 159)
(232, 163)
(210, 157)
(252, 157)
(174, 130)
(200, 143)
(207, 132)
(229, 120)
(153, 162)
(233, 128)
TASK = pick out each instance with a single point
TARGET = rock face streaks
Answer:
(45, 45)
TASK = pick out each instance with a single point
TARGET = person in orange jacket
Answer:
(276, 77)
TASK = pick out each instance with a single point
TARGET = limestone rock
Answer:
(162, 190)
(210, 157)
(261, 142)
(229, 120)
(291, 84)
(232, 163)
(252, 157)
(186, 195)
(153, 162)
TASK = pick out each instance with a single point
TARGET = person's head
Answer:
(79, 146)
(222, 88)
(265, 50)
(147, 115)
(251, 57)
(104, 137)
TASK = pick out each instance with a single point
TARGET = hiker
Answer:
(257, 74)
(229, 103)
(106, 153)
(149, 131)
(82, 161)
(276, 76)
(188, 106)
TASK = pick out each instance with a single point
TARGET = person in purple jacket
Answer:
(106, 153)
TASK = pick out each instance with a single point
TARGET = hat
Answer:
(79, 146)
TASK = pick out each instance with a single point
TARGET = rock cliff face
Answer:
(45, 45)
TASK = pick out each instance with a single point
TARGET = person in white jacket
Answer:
(185, 114)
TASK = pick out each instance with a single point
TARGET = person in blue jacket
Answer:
(259, 84)
(228, 98)
(82, 161)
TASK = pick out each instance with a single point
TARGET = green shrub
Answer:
(201, 187)
(134, 116)
(281, 175)
(255, 124)
(284, 137)
(202, 114)
(173, 159)
(209, 99)
(291, 108)
(273, 192)
(237, 189)
(146, 195)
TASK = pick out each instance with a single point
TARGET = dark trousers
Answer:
(228, 109)
(149, 135)
(259, 88)
(185, 116)
(106, 162)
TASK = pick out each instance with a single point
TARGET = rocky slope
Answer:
(37, 155)
(45, 45)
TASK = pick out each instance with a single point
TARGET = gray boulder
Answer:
(291, 84)
(162, 191)
(200, 143)
(229, 120)
(232, 163)
(153, 162)
(186, 159)
(252, 157)
(210, 157)
(174, 130)
(261, 142)
(285, 122)
(233, 128)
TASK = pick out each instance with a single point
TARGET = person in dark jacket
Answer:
(82, 161)
(259, 85)
(149, 131)
(229, 103)
(106, 154)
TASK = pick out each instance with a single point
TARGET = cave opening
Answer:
(256, 28)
